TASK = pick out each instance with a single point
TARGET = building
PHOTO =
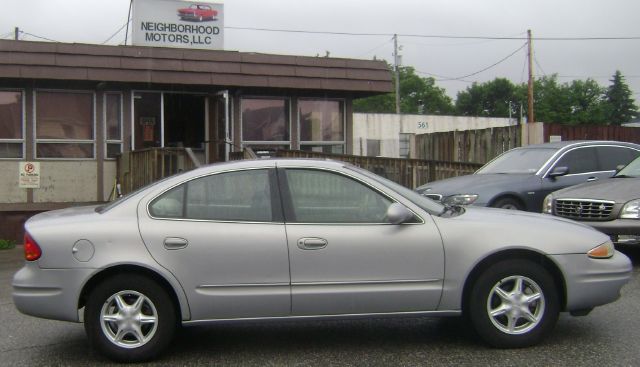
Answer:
(72, 108)
(391, 135)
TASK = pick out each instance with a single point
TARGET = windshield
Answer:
(630, 170)
(423, 202)
(522, 160)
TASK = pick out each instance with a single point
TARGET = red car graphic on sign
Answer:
(197, 12)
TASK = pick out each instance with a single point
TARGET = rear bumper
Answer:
(49, 293)
(593, 282)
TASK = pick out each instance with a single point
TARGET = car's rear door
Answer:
(223, 237)
(346, 258)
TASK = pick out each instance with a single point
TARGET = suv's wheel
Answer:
(508, 203)
(513, 304)
(129, 318)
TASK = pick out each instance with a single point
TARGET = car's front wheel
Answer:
(513, 304)
(130, 318)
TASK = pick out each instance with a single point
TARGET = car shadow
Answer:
(633, 252)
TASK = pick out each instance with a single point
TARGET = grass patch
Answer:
(7, 244)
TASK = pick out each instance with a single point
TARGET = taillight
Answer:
(32, 251)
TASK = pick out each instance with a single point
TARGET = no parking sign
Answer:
(29, 175)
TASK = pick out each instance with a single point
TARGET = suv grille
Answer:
(583, 209)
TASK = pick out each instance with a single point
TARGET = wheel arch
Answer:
(180, 303)
(512, 196)
(523, 254)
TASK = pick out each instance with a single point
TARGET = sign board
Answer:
(181, 24)
(29, 175)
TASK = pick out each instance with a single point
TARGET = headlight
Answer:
(461, 199)
(631, 210)
(604, 251)
(547, 204)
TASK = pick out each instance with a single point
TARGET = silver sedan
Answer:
(304, 239)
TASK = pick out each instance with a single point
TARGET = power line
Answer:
(436, 35)
(375, 48)
(488, 67)
(538, 65)
(39, 37)
(118, 31)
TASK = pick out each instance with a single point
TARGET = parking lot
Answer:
(608, 336)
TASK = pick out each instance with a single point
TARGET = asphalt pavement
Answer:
(606, 337)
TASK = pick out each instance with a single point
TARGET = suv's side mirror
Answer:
(558, 171)
(398, 214)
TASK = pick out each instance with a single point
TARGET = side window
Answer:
(170, 204)
(612, 157)
(231, 196)
(326, 197)
(580, 160)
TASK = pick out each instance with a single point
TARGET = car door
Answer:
(582, 163)
(223, 237)
(586, 164)
(345, 258)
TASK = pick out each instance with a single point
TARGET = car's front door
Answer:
(223, 238)
(346, 258)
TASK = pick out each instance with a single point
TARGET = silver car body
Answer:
(233, 270)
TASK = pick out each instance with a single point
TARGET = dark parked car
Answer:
(522, 177)
(611, 206)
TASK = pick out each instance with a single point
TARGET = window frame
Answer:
(266, 143)
(22, 141)
(276, 206)
(343, 142)
(108, 141)
(36, 140)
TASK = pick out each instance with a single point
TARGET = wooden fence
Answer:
(476, 146)
(592, 132)
(142, 167)
(407, 172)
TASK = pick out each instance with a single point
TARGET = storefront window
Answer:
(265, 120)
(321, 125)
(113, 124)
(64, 125)
(11, 126)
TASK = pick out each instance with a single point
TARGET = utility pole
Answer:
(531, 116)
(17, 34)
(397, 71)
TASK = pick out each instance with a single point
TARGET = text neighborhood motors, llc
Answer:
(179, 33)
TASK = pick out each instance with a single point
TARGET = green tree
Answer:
(495, 98)
(621, 107)
(417, 95)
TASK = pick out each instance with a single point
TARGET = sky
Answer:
(95, 21)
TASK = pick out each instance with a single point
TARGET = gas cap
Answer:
(83, 250)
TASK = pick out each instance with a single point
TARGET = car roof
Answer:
(570, 143)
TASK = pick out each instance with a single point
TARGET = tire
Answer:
(149, 318)
(508, 203)
(523, 298)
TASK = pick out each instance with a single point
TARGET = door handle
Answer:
(591, 179)
(312, 243)
(175, 243)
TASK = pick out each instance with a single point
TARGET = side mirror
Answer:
(398, 214)
(559, 171)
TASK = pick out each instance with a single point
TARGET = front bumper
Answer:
(49, 293)
(621, 231)
(593, 282)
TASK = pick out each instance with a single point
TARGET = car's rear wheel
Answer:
(513, 304)
(130, 318)
(508, 203)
